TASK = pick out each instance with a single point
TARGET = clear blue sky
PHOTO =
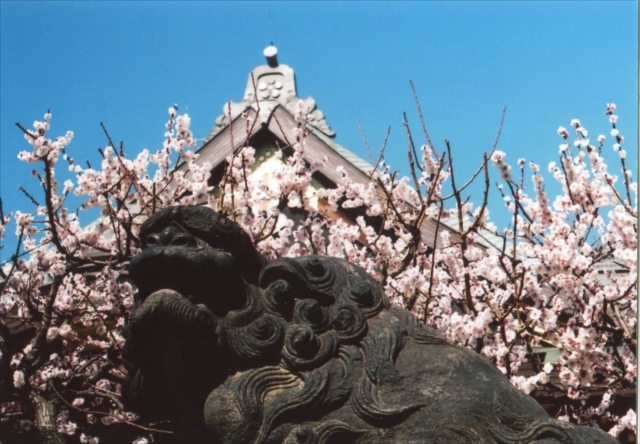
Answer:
(125, 63)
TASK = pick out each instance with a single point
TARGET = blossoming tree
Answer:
(65, 296)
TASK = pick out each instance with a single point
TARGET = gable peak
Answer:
(269, 86)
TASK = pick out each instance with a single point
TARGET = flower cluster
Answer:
(562, 276)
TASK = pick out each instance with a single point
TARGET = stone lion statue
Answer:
(235, 348)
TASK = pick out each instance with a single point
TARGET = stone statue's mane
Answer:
(308, 322)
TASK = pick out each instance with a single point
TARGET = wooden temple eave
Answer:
(280, 123)
(226, 142)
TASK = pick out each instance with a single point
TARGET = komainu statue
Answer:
(235, 348)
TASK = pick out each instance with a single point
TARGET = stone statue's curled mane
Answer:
(237, 348)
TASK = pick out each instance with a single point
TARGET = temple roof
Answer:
(271, 102)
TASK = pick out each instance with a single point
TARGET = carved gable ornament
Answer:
(275, 85)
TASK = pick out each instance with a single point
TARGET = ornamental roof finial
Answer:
(271, 53)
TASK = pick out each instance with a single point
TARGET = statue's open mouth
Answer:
(207, 276)
(172, 342)
(164, 318)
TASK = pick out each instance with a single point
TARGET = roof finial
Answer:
(271, 53)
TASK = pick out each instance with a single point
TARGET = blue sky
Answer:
(125, 63)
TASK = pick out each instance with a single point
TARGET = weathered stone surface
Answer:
(238, 349)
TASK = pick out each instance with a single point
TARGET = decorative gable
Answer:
(269, 86)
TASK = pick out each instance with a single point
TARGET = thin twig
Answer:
(31, 198)
(381, 152)
(94, 412)
(284, 135)
(364, 140)
(26, 131)
(424, 126)
(485, 199)
(495, 143)
(106, 133)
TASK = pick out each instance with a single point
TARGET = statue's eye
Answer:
(182, 240)
(152, 239)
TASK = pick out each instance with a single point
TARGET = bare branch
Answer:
(424, 126)
(29, 196)
(364, 140)
(106, 133)
(26, 131)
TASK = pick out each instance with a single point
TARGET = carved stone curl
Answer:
(238, 349)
